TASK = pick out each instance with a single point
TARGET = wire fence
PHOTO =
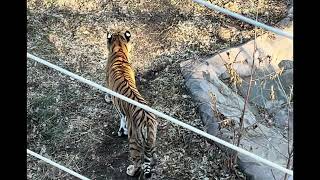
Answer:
(57, 165)
(243, 18)
(160, 114)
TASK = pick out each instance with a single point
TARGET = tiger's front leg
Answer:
(123, 124)
(107, 98)
(123, 121)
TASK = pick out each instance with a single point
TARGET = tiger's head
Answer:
(119, 41)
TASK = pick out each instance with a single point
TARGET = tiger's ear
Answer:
(127, 35)
(109, 37)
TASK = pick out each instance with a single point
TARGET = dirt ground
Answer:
(70, 123)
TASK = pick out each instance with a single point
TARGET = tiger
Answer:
(138, 124)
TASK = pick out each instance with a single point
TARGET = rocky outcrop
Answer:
(269, 111)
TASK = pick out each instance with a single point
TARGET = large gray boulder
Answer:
(271, 91)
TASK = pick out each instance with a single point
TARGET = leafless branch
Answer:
(249, 89)
(273, 175)
(288, 163)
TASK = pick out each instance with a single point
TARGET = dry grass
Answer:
(70, 123)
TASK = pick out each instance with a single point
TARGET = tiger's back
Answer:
(141, 125)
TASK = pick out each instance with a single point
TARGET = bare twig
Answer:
(237, 56)
(290, 152)
(248, 91)
(288, 163)
(274, 177)
(247, 97)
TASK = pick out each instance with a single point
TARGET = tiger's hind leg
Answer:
(135, 155)
(148, 161)
(149, 153)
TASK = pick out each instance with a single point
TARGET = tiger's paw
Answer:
(107, 98)
(132, 170)
(122, 132)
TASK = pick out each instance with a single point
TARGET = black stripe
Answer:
(121, 85)
(138, 121)
(141, 119)
(117, 78)
(113, 46)
(114, 75)
(118, 70)
(118, 64)
(137, 172)
(149, 156)
(133, 108)
(124, 90)
(150, 115)
(143, 138)
(150, 151)
(130, 95)
(122, 38)
(140, 99)
(121, 55)
(134, 149)
(130, 133)
(134, 141)
(113, 54)
(117, 86)
(137, 112)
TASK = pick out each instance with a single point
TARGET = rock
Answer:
(270, 52)
(270, 91)
(258, 171)
(209, 119)
(261, 92)
(286, 80)
(262, 89)
(283, 119)
(288, 20)
(274, 148)
(273, 106)
(286, 64)
(203, 81)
